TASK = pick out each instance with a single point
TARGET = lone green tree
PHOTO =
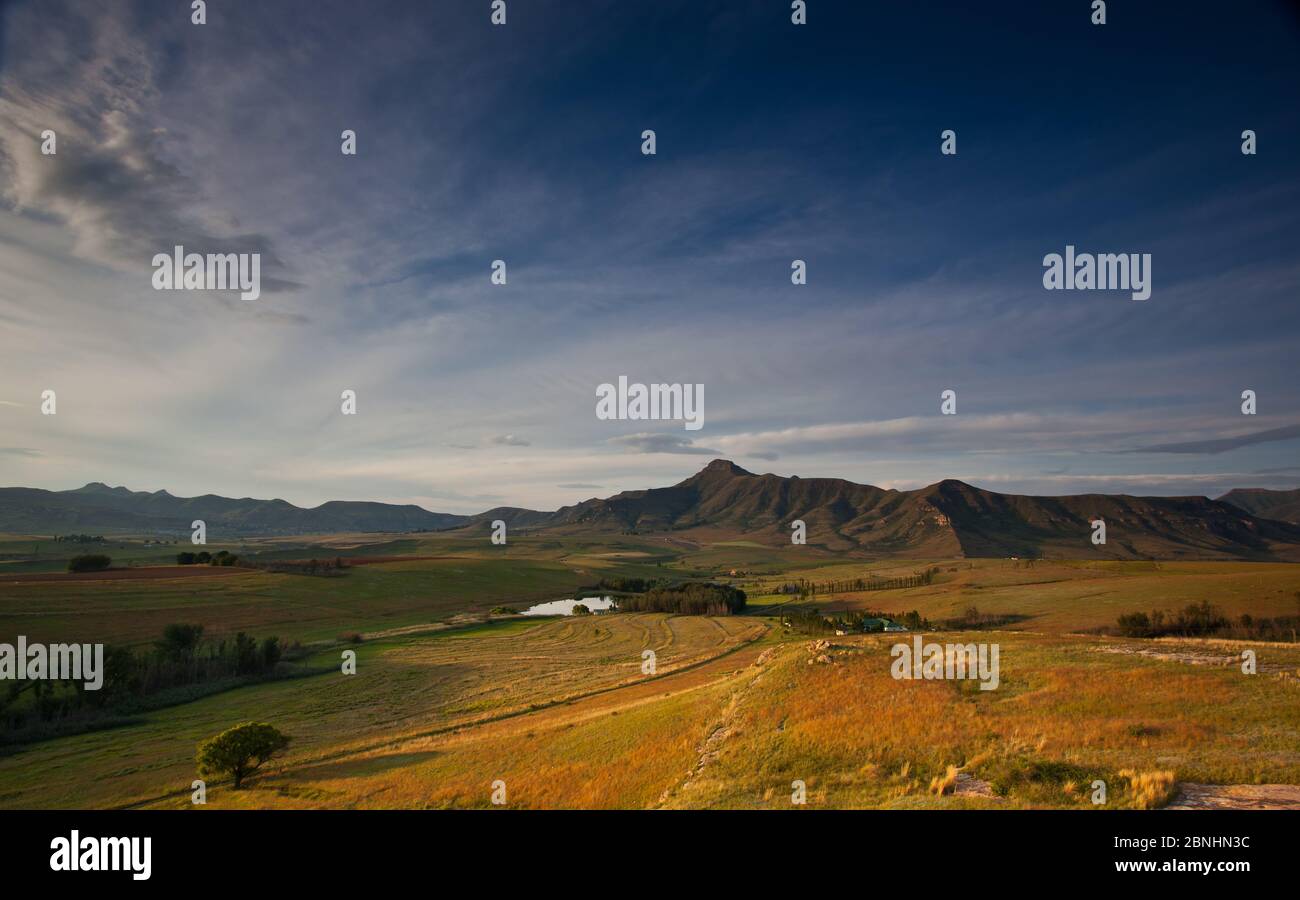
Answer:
(240, 751)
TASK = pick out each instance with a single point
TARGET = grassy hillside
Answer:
(733, 732)
(404, 687)
(1066, 712)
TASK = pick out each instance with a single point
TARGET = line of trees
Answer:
(809, 620)
(1206, 620)
(806, 588)
(688, 599)
(78, 539)
(1195, 620)
(630, 585)
(181, 657)
(320, 567)
(324, 568)
(204, 558)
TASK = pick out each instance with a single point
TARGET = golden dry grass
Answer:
(405, 689)
(1064, 716)
(733, 732)
(1058, 596)
(1150, 789)
(560, 712)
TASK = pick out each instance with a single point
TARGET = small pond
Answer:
(565, 607)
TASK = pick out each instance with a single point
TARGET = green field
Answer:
(468, 580)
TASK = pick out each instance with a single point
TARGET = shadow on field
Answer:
(353, 768)
(986, 622)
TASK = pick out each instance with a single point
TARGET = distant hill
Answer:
(1281, 505)
(513, 516)
(949, 518)
(98, 508)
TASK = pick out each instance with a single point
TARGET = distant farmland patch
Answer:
(144, 573)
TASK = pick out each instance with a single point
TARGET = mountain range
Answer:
(949, 518)
(1281, 505)
(98, 508)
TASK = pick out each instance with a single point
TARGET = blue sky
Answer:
(522, 142)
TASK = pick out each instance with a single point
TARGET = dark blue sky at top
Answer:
(1067, 134)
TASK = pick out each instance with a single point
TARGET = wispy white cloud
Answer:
(652, 442)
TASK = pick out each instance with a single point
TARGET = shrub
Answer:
(223, 558)
(1136, 624)
(179, 642)
(89, 562)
